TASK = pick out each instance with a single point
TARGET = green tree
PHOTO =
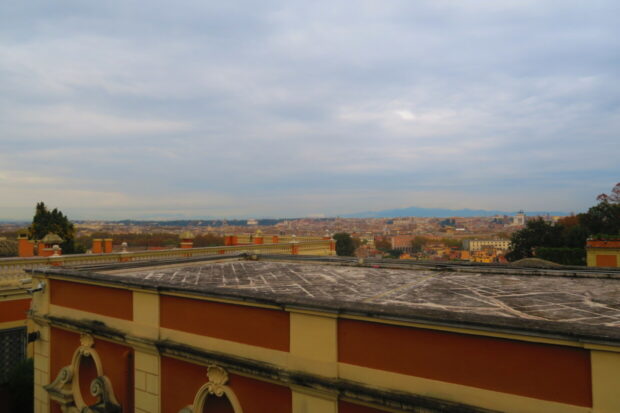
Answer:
(537, 233)
(565, 241)
(383, 244)
(603, 218)
(344, 244)
(418, 242)
(54, 221)
(394, 253)
(452, 242)
(613, 197)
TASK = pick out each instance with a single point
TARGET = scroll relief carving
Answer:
(66, 391)
(216, 386)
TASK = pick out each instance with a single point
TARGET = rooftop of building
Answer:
(558, 303)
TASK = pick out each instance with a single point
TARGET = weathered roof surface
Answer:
(578, 307)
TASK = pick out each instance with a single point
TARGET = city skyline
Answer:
(277, 109)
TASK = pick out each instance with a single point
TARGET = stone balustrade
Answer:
(13, 268)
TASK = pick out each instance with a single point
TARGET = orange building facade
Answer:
(184, 339)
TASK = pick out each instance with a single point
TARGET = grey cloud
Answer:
(316, 98)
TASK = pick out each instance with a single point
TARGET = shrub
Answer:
(564, 256)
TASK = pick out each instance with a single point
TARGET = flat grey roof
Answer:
(584, 308)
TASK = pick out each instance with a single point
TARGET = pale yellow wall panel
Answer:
(309, 403)
(146, 308)
(605, 381)
(314, 346)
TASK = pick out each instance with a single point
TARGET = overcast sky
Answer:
(127, 109)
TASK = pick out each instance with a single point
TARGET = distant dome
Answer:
(187, 235)
(51, 238)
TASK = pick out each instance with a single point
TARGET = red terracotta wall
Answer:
(346, 407)
(112, 302)
(539, 371)
(14, 310)
(180, 381)
(117, 361)
(250, 325)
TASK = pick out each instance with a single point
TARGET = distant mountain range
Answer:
(386, 213)
(441, 213)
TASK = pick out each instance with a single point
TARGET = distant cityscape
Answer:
(476, 239)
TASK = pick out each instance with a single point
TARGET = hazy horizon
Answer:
(441, 213)
(113, 110)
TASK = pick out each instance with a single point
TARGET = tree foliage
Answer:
(345, 246)
(418, 242)
(613, 197)
(452, 242)
(568, 233)
(564, 256)
(54, 221)
(603, 218)
(383, 244)
(537, 233)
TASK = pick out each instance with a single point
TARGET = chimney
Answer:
(25, 247)
(97, 246)
(107, 245)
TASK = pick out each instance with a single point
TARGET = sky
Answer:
(199, 109)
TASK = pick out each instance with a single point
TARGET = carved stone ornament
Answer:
(86, 341)
(216, 386)
(217, 379)
(65, 389)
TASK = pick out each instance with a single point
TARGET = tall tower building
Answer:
(519, 219)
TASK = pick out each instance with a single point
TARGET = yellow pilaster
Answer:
(42, 374)
(590, 258)
(313, 345)
(147, 376)
(605, 381)
(305, 401)
(145, 315)
(147, 382)
(313, 349)
(41, 299)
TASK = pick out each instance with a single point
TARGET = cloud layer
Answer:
(274, 108)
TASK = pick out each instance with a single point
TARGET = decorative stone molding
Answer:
(65, 389)
(216, 386)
